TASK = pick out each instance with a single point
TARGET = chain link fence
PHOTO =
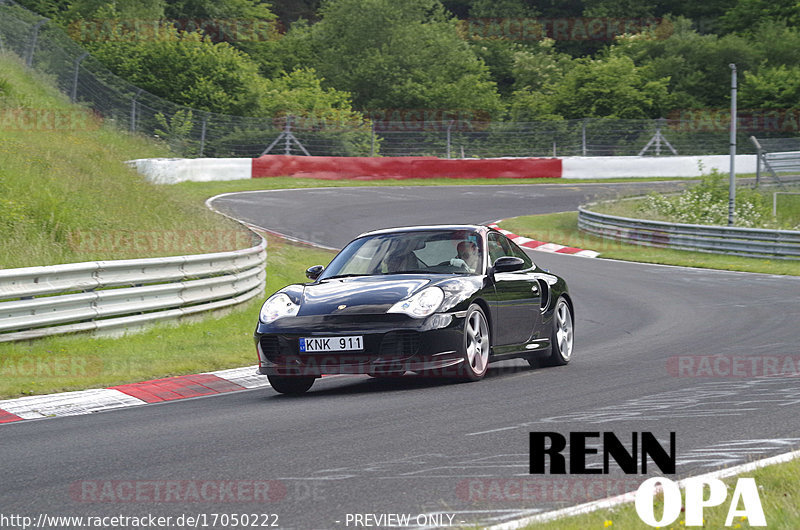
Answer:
(45, 47)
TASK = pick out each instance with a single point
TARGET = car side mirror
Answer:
(312, 273)
(508, 264)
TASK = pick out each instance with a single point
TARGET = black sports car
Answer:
(440, 300)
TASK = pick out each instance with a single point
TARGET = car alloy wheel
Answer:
(476, 344)
(562, 336)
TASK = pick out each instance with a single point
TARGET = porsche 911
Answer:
(437, 300)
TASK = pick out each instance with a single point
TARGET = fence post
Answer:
(759, 154)
(32, 45)
(449, 126)
(74, 94)
(583, 137)
(133, 110)
(287, 146)
(372, 144)
(658, 136)
(203, 134)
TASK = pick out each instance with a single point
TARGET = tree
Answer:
(749, 14)
(396, 54)
(118, 9)
(188, 69)
(301, 94)
(218, 9)
(612, 87)
(771, 88)
(697, 65)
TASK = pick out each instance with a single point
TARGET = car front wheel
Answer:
(475, 350)
(291, 385)
(562, 336)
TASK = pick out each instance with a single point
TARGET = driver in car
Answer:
(467, 256)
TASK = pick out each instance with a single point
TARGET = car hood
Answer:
(358, 295)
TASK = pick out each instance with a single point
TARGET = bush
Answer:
(707, 204)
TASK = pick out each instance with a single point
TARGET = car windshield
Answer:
(423, 251)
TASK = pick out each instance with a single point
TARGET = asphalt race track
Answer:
(413, 445)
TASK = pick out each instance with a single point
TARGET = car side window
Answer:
(518, 252)
(498, 246)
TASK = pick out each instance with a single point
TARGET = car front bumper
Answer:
(392, 344)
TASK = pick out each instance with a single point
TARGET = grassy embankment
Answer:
(66, 196)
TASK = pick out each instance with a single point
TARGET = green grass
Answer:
(779, 490)
(788, 208)
(67, 196)
(76, 362)
(562, 228)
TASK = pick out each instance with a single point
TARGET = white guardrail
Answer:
(121, 295)
(755, 242)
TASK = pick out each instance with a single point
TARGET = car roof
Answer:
(423, 228)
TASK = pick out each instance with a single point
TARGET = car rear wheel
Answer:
(291, 385)
(476, 346)
(562, 336)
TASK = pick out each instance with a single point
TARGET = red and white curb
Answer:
(131, 394)
(543, 246)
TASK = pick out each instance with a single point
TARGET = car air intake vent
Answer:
(399, 344)
(270, 347)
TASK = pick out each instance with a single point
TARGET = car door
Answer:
(517, 295)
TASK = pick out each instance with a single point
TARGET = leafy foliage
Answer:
(395, 54)
(707, 203)
(175, 130)
(747, 14)
(188, 69)
(771, 88)
(415, 54)
(614, 88)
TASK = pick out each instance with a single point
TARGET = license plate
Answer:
(325, 344)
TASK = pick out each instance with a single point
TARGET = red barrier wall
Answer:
(403, 167)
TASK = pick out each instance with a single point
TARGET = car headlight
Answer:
(278, 306)
(420, 305)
